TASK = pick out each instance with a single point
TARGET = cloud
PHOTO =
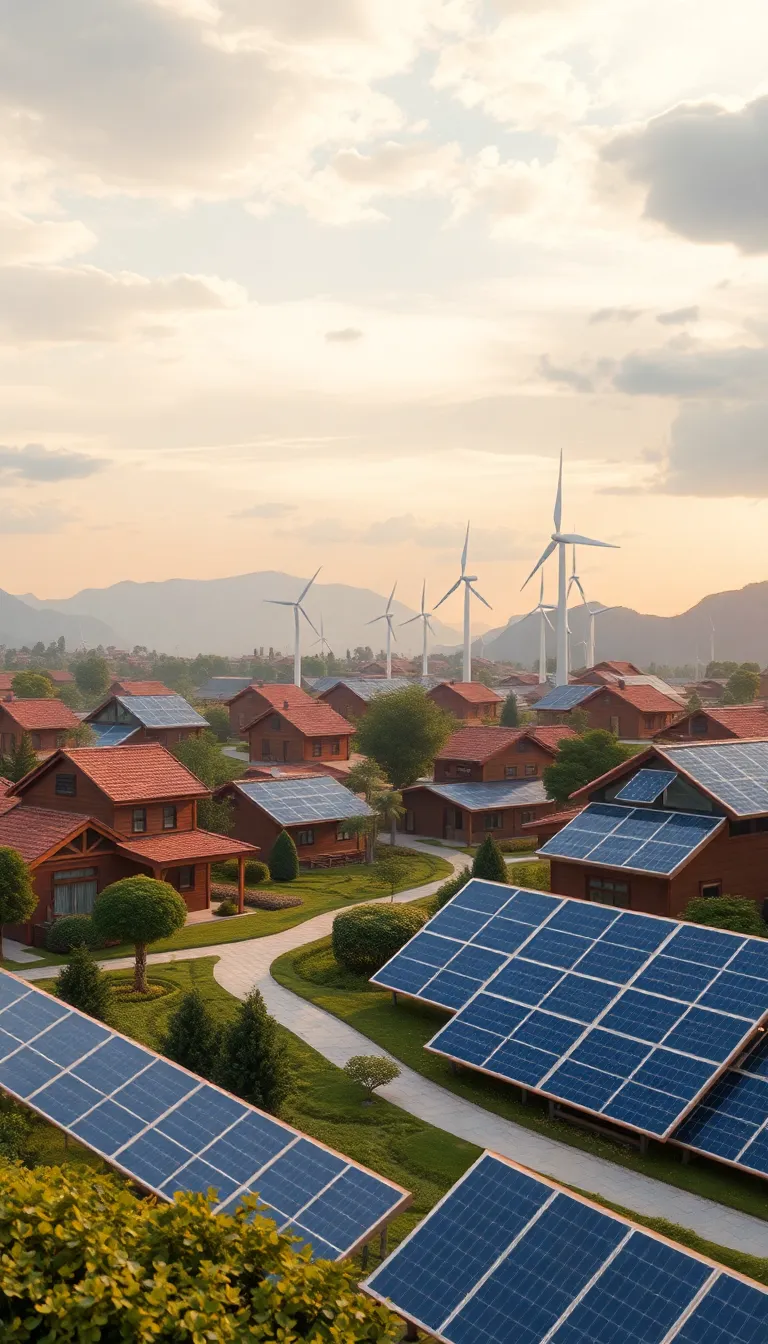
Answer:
(34, 462)
(269, 509)
(573, 378)
(717, 451)
(32, 522)
(345, 335)
(24, 240)
(484, 543)
(679, 317)
(704, 169)
(738, 372)
(614, 315)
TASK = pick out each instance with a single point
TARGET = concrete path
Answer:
(243, 965)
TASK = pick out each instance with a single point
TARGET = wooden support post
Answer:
(364, 1258)
(454, 1067)
(643, 1144)
(383, 1243)
(524, 1095)
(394, 997)
(552, 1110)
(241, 885)
(411, 1333)
(686, 1156)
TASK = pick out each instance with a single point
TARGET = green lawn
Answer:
(403, 1029)
(321, 890)
(325, 1105)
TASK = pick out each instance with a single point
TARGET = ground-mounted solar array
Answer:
(113, 734)
(731, 1121)
(509, 1256)
(169, 1130)
(638, 839)
(565, 697)
(162, 711)
(293, 801)
(736, 773)
(646, 786)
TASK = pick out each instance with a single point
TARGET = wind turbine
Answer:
(467, 580)
(325, 648)
(423, 616)
(389, 618)
(558, 542)
(297, 611)
(541, 610)
(592, 612)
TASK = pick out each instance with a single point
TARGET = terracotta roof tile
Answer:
(186, 847)
(122, 687)
(474, 692)
(740, 720)
(34, 831)
(646, 698)
(7, 803)
(277, 693)
(5, 785)
(315, 719)
(33, 715)
(552, 818)
(128, 774)
(480, 744)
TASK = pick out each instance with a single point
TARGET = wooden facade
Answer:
(318, 844)
(632, 713)
(429, 813)
(258, 699)
(315, 733)
(487, 754)
(48, 723)
(471, 701)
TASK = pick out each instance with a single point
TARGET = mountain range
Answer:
(25, 622)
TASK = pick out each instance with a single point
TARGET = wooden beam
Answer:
(241, 885)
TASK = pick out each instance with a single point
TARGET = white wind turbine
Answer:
(423, 616)
(389, 618)
(297, 611)
(467, 580)
(325, 648)
(591, 611)
(558, 542)
(541, 609)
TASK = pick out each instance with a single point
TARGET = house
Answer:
(470, 701)
(90, 815)
(674, 822)
(515, 681)
(313, 809)
(48, 723)
(467, 812)
(717, 723)
(709, 689)
(221, 689)
(125, 687)
(259, 696)
(166, 719)
(633, 713)
(351, 696)
(336, 768)
(401, 667)
(488, 753)
(59, 678)
(601, 675)
(312, 732)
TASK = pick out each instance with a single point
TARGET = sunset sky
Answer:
(297, 282)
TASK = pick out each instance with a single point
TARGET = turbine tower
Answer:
(325, 648)
(389, 618)
(423, 616)
(298, 611)
(592, 612)
(467, 580)
(558, 542)
(541, 610)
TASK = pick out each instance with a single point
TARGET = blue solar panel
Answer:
(731, 1120)
(736, 773)
(640, 839)
(292, 802)
(171, 1131)
(508, 1255)
(162, 711)
(646, 786)
(113, 734)
(565, 697)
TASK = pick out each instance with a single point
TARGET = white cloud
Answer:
(28, 240)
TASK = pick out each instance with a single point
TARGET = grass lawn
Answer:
(325, 1105)
(403, 1029)
(321, 890)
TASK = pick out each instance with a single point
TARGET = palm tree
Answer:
(388, 806)
(362, 826)
(365, 777)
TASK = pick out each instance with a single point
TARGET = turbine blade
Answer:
(301, 596)
(546, 618)
(584, 541)
(551, 547)
(411, 619)
(464, 552)
(275, 602)
(306, 618)
(541, 591)
(375, 620)
(480, 595)
(391, 595)
(456, 585)
(423, 595)
(577, 584)
(558, 514)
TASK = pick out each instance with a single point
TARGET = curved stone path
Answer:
(243, 965)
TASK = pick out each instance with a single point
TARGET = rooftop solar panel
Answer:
(565, 697)
(113, 734)
(646, 786)
(162, 711)
(736, 773)
(640, 839)
(477, 797)
(731, 1122)
(171, 1131)
(294, 801)
(509, 1255)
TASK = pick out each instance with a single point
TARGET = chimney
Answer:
(622, 684)
(9, 697)
(286, 705)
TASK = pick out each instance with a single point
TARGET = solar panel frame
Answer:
(566, 697)
(646, 786)
(162, 711)
(294, 802)
(753, 1065)
(113, 734)
(705, 1277)
(611, 849)
(735, 773)
(14, 990)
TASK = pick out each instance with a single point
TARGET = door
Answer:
(286, 746)
(448, 831)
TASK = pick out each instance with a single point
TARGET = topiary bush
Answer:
(226, 908)
(489, 862)
(448, 889)
(72, 931)
(364, 938)
(737, 913)
(284, 861)
(271, 900)
(255, 871)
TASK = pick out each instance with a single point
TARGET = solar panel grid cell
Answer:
(646, 786)
(642, 839)
(734, 773)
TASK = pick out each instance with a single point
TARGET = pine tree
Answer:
(510, 717)
(254, 1063)
(20, 759)
(83, 984)
(193, 1038)
(489, 862)
(284, 861)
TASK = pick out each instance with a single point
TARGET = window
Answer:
(522, 745)
(139, 821)
(608, 893)
(265, 756)
(274, 723)
(317, 748)
(510, 772)
(65, 786)
(74, 891)
(531, 770)
(492, 821)
(710, 889)
(699, 726)
(169, 818)
(615, 725)
(61, 739)
(463, 771)
(649, 720)
(37, 742)
(335, 747)
(306, 837)
(343, 832)
(525, 816)
(186, 878)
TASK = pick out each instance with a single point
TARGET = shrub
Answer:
(218, 721)
(371, 1071)
(226, 908)
(533, 875)
(139, 910)
(489, 862)
(284, 861)
(736, 913)
(15, 1130)
(193, 1038)
(84, 985)
(255, 871)
(18, 898)
(521, 845)
(254, 1062)
(364, 938)
(392, 870)
(71, 931)
(449, 888)
(271, 900)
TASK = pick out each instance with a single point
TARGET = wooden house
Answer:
(468, 812)
(351, 696)
(302, 732)
(634, 713)
(314, 809)
(124, 686)
(166, 719)
(48, 723)
(260, 696)
(491, 753)
(470, 701)
(401, 667)
(717, 723)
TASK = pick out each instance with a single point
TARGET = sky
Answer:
(287, 284)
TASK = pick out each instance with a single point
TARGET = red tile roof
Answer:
(33, 715)
(5, 785)
(474, 692)
(480, 744)
(622, 669)
(738, 720)
(35, 831)
(315, 719)
(277, 693)
(60, 676)
(121, 687)
(551, 734)
(559, 819)
(183, 847)
(127, 774)
(646, 698)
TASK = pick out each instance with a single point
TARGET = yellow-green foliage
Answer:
(83, 1260)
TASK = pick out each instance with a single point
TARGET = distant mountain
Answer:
(21, 623)
(231, 616)
(739, 617)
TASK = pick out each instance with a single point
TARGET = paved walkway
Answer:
(243, 965)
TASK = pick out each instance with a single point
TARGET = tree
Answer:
(254, 1061)
(81, 736)
(284, 861)
(218, 721)
(743, 685)
(138, 910)
(694, 702)
(20, 760)
(217, 815)
(579, 760)
(388, 806)
(203, 756)
(736, 913)
(484, 677)
(365, 826)
(391, 869)
(510, 716)
(70, 695)
(29, 685)
(404, 731)
(371, 1071)
(92, 675)
(83, 984)
(489, 862)
(99, 1264)
(365, 777)
(578, 720)
(193, 1038)
(18, 898)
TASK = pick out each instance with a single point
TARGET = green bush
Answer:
(533, 875)
(284, 861)
(255, 871)
(449, 888)
(521, 845)
(72, 931)
(489, 862)
(15, 1131)
(364, 938)
(83, 984)
(226, 908)
(736, 913)
(371, 1071)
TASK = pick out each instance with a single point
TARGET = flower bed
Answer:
(255, 898)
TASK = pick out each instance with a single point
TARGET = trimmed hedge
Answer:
(534, 875)
(364, 938)
(72, 931)
(284, 860)
(255, 871)
(449, 888)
